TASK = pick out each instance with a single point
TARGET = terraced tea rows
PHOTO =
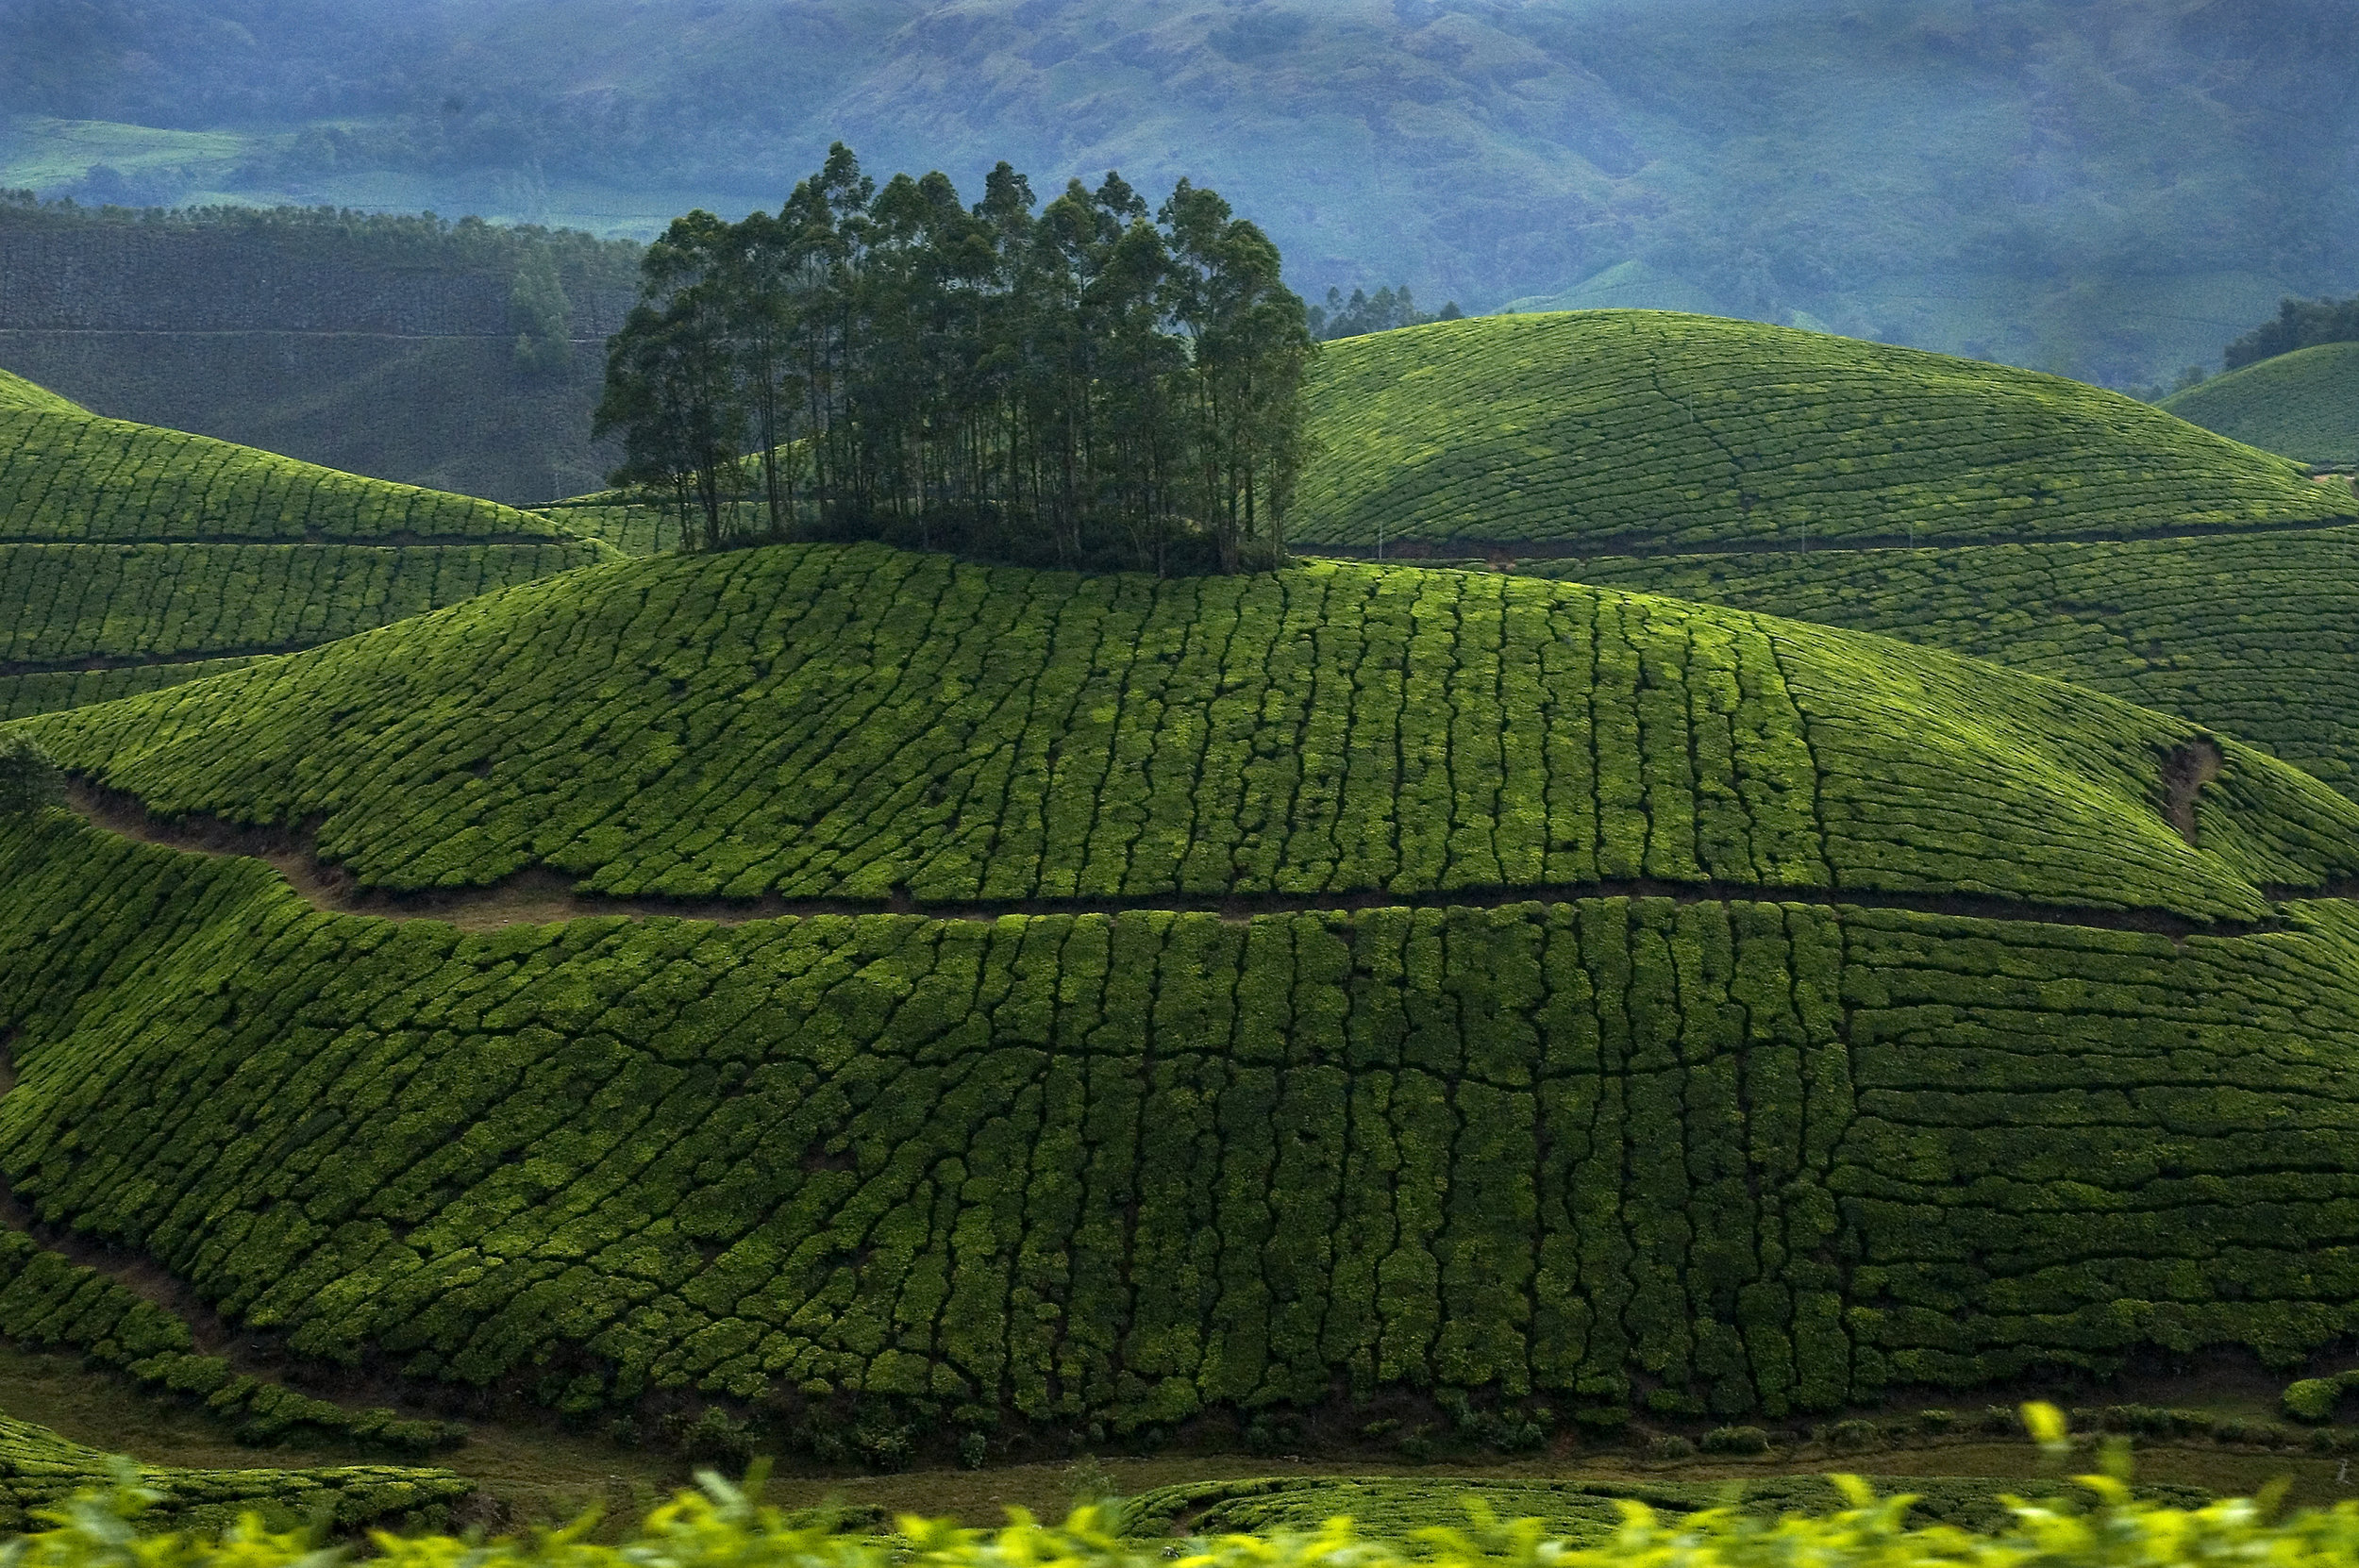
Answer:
(1617, 430)
(69, 478)
(64, 604)
(2258, 636)
(2304, 404)
(1744, 1155)
(120, 569)
(40, 1470)
(855, 723)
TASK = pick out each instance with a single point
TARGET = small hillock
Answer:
(2304, 404)
(1612, 430)
(1127, 1001)
(133, 558)
(828, 721)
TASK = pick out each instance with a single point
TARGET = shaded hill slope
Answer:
(132, 557)
(2304, 404)
(1644, 430)
(1600, 1088)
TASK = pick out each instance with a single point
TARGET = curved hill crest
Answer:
(1613, 430)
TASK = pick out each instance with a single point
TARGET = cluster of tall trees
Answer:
(1362, 313)
(2300, 324)
(1083, 383)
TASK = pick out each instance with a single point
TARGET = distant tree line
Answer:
(2300, 324)
(1083, 383)
(1363, 313)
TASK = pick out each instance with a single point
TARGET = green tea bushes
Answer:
(1725, 1155)
(1611, 429)
(826, 721)
(45, 1300)
(2257, 635)
(42, 1471)
(2300, 404)
(69, 478)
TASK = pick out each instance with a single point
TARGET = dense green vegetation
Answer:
(68, 478)
(2304, 404)
(1749, 1155)
(1621, 428)
(133, 558)
(2300, 324)
(635, 528)
(46, 1300)
(847, 722)
(2253, 635)
(1658, 1131)
(1075, 386)
(40, 1470)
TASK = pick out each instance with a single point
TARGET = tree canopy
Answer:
(1082, 383)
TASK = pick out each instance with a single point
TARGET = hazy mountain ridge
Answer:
(2114, 187)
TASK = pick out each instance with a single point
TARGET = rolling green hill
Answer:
(133, 558)
(2304, 404)
(2258, 636)
(1614, 430)
(1125, 999)
(38, 1470)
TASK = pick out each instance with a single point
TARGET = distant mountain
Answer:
(2108, 188)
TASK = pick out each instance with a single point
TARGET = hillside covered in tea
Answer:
(2304, 404)
(133, 557)
(1000, 996)
(1602, 431)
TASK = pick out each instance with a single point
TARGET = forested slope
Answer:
(1610, 431)
(1351, 979)
(132, 557)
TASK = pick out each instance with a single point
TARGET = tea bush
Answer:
(852, 723)
(43, 1476)
(2256, 635)
(1609, 428)
(47, 1301)
(1128, 1167)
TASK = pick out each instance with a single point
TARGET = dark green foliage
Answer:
(1584, 1512)
(43, 692)
(833, 722)
(1620, 428)
(45, 1300)
(2300, 324)
(1773, 1156)
(40, 1470)
(1078, 386)
(635, 528)
(28, 779)
(2258, 636)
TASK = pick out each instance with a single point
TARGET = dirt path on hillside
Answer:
(539, 896)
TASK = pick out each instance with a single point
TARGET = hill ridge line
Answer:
(1635, 547)
(538, 896)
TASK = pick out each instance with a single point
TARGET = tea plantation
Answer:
(1148, 998)
(1602, 430)
(133, 558)
(2304, 404)
(2256, 635)
(41, 1470)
